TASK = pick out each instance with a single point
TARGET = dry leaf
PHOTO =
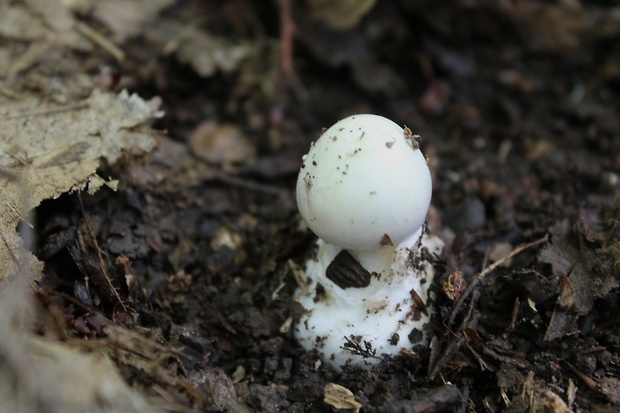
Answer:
(31, 34)
(499, 251)
(47, 21)
(39, 376)
(586, 260)
(549, 402)
(206, 53)
(610, 387)
(340, 15)
(221, 144)
(552, 28)
(62, 380)
(341, 398)
(46, 150)
(127, 18)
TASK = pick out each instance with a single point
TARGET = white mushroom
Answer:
(362, 180)
(364, 189)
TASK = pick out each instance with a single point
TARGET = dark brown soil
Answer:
(517, 105)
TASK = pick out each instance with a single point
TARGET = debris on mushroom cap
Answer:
(364, 180)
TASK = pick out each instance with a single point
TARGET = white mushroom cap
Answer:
(361, 180)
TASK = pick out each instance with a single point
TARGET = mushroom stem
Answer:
(380, 260)
(375, 261)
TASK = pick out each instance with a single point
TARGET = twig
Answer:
(247, 184)
(78, 303)
(356, 348)
(594, 386)
(8, 247)
(99, 256)
(287, 34)
(106, 44)
(480, 276)
(454, 344)
(43, 112)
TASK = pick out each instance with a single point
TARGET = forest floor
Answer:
(170, 270)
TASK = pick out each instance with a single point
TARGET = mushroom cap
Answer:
(363, 184)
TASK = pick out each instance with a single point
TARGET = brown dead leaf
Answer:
(564, 318)
(340, 15)
(222, 389)
(340, 398)
(610, 387)
(221, 144)
(533, 397)
(35, 34)
(499, 251)
(206, 53)
(351, 49)
(551, 403)
(57, 377)
(585, 257)
(41, 376)
(552, 28)
(455, 285)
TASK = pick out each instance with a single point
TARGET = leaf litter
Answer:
(181, 276)
(54, 149)
(586, 259)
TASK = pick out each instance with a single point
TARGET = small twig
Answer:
(593, 385)
(366, 351)
(455, 344)
(480, 276)
(287, 34)
(44, 112)
(28, 237)
(483, 365)
(247, 184)
(289, 78)
(99, 255)
(106, 44)
(513, 319)
(8, 247)
(485, 260)
(587, 380)
(611, 234)
(77, 303)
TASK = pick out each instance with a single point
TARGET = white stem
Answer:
(375, 260)
(381, 260)
(411, 240)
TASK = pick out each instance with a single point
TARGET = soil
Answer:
(517, 106)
